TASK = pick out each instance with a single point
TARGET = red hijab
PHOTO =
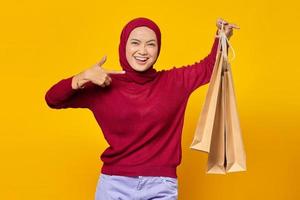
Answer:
(132, 75)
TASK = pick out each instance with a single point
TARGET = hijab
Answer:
(131, 75)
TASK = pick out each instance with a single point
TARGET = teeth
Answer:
(141, 58)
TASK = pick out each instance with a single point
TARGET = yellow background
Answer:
(54, 154)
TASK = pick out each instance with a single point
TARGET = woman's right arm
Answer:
(72, 91)
(66, 94)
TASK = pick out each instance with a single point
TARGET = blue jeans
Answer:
(115, 187)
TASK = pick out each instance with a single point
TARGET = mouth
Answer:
(140, 60)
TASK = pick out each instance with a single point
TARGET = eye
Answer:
(134, 43)
(152, 44)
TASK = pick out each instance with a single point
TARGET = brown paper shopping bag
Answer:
(235, 152)
(218, 129)
(227, 152)
(216, 156)
(205, 123)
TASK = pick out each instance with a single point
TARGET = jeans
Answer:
(116, 187)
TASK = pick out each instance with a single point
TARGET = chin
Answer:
(140, 69)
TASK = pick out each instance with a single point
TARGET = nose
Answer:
(143, 50)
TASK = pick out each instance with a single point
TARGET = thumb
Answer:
(234, 26)
(102, 61)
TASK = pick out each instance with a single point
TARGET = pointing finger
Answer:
(114, 72)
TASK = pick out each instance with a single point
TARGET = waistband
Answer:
(141, 170)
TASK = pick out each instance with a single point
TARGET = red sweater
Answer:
(143, 127)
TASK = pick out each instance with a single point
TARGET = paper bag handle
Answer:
(224, 41)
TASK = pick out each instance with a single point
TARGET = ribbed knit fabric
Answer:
(141, 123)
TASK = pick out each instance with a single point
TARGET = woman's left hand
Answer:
(228, 27)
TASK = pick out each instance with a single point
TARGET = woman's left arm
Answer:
(194, 75)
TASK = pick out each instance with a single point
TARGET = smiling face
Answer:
(141, 48)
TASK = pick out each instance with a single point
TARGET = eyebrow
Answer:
(147, 41)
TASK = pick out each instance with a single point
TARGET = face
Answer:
(141, 48)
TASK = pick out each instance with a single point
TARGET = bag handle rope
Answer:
(224, 41)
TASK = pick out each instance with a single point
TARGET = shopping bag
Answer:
(235, 151)
(218, 129)
(205, 123)
(216, 159)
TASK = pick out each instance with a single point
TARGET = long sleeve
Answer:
(62, 95)
(190, 77)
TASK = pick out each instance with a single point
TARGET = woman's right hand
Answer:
(96, 74)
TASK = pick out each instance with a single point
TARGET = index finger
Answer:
(114, 72)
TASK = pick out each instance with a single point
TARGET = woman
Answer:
(140, 111)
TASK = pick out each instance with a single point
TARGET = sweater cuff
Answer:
(67, 85)
(214, 48)
(217, 35)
